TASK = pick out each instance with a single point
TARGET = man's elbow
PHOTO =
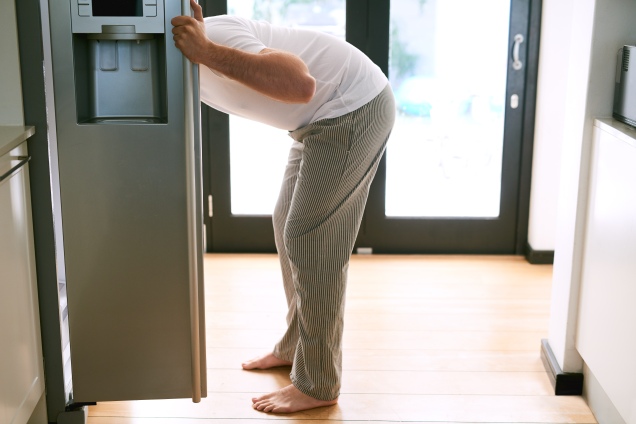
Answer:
(308, 89)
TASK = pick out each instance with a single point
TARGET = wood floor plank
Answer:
(383, 306)
(404, 360)
(442, 360)
(397, 339)
(385, 285)
(393, 382)
(235, 320)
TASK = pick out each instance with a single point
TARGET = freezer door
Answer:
(131, 211)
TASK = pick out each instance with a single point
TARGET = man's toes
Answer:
(262, 406)
(249, 365)
(258, 402)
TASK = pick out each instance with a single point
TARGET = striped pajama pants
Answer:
(316, 220)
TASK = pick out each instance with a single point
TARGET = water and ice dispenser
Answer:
(120, 69)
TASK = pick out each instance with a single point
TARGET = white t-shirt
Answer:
(346, 79)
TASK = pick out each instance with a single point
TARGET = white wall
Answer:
(556, 24)
(572, 187)
(597, 30)
(590, 33)
(10, 82)
(564, 62)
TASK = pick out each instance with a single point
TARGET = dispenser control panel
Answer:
(89, 16)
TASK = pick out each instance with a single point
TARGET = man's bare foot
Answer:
(288, 399)
(265, 362)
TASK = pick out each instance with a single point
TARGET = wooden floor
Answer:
(428, 339)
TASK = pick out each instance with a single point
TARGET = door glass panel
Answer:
(448, 61)
(258, 153)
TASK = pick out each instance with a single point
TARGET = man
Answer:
(339, 109)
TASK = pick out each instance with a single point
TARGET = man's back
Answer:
(345, 78)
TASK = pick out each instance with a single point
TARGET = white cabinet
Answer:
(21, 370)
(607, 317)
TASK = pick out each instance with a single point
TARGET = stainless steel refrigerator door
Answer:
(131, 221)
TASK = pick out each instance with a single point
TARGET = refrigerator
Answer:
(125, 159)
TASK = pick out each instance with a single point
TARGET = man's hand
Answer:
(189, 34)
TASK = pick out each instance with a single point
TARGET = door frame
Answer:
(371, 36)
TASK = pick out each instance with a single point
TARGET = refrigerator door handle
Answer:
(189, 76)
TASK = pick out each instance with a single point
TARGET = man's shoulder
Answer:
(233, 23)
(235, 32)
(226, 19)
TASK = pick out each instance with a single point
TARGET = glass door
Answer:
(448, 71)
(449, 180)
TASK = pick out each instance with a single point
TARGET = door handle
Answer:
(23, 161)
(516, 63)
(190, 78)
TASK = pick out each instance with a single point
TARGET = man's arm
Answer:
(273, 73)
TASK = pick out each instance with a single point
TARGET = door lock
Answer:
(514, 101)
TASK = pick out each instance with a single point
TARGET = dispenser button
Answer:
(84, 10)
(84, 2)
(150, 2)
(150, 11)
